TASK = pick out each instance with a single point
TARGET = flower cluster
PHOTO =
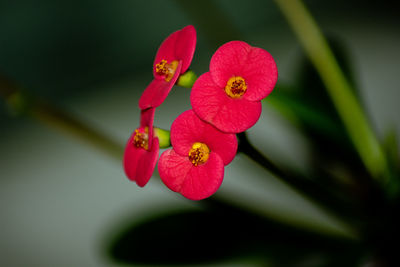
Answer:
(225, 101)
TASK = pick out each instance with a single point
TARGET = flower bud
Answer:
(187, 79)
(163, 137)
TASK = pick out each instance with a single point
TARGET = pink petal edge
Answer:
(185, 46)
(166, 51)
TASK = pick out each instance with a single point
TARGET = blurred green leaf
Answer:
(390, 147)
(216, 26)
(200, 237)
(309, 107)
(336, 165)
(311, 91)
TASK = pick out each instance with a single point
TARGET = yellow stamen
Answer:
(166, 69)
(235, 87)
(199, 153)
(141, 139)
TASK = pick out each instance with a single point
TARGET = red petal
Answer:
(254, 64)
(214, 106)
(228, 61)
(193, 182)
(185, 46)
(147, 117)
(173, 169)
(260, 73)
(166, 50)
(157, 91)
(180, 45)
(146, 120)
(188, 129)
(139, 163)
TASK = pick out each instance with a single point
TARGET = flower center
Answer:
(199, 153)
(141, 139)
(235, 87)
(166, 69)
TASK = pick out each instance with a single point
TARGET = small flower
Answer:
(141, 151)
(172, 59)
(229, 95)
(195, 165)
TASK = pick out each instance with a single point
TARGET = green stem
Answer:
(337, 85)
(54, 117)
(319, 194)
(66, 123)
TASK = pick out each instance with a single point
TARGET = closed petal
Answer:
(147, 117)
(132, 155)
(185, 46)
(180, 45)
(166, 51)
(147, 163)
(139, 163)
(157, 91)
(146, 120)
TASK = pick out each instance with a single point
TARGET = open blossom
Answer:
(172, 59)
(229, 95)
(195, 165)
(141, 151)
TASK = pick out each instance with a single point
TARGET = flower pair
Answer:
(172, 59)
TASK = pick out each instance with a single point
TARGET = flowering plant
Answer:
(341, 185)
(225, 101)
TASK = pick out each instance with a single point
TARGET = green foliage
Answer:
(224, 234)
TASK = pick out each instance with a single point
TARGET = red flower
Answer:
(172, 59)
(141, 151)
(195, 165)
(229, 95)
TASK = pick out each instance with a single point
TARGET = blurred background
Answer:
(65, 202)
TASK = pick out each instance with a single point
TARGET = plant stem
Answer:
(58, 119)
(319, 194)
(338, 86)
(54, 117)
